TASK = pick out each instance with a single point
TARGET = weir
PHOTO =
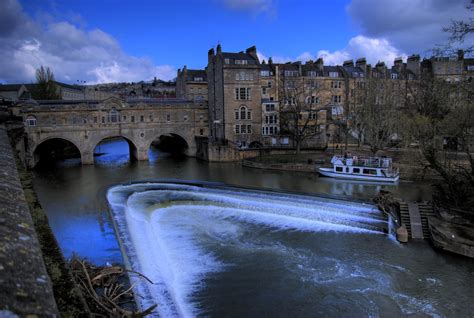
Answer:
(162, 228)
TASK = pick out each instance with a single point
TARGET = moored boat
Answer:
(378, 169)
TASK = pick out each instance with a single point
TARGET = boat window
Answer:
(369, 171)
(355, 170)
(347, 169)
(339, 169)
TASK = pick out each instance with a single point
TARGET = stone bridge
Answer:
(86, 123)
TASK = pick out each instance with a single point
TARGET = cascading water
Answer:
(204, 247)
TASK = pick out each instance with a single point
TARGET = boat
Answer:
(379, 169)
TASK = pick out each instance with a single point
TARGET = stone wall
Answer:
(26, 287)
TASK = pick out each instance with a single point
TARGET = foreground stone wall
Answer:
(25, 285)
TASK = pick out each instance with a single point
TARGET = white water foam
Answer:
(161, 226)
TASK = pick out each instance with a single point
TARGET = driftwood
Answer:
(104, 289)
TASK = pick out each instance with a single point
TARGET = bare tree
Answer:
(441, 119)
(376, 113)
(459, 31)
(300, 108)
(45, 84)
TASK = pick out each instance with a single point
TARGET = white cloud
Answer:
(71, 52)
(414, 26)
(372, 49)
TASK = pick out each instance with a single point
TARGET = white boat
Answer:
(378, 169)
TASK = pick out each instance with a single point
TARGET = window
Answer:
(185, 118)
(338, 169)
(103, 120)
(227, 61)
(237, 115)
(269, 84)
(244, 76)
(291, 73)
(311, 84)
(249, 129)
(242, 93)
(355, 170)
(313, 116)
(132, 119)
(241, 62)
(249, 115)
(369, 171)
(336, 99)
(470, 67)
(95, 119)
(333, 74)
(312, 100)
(198, 79)
(271, 130)
(394, 76)
(243, 111)
(168, 117)
(336, 84)
(201, 131)
(264, 73)
(243, 129)
(312, 73)
(150, 117)
(31, 121)
(114, 116)
(142, 118)
(264, 90)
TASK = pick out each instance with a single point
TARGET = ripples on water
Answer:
(244, 253)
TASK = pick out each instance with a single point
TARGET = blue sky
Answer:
(102, 41)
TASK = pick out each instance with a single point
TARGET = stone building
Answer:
(191, 84)
(234, 94)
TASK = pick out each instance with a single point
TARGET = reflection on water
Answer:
(324, 274)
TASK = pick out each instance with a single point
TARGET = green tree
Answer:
(45, 85)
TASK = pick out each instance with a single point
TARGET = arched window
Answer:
(243, 112)
(31, 121)
(114, 116)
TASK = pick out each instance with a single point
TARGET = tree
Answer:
(440, 117)
(45, 85)
(376, 112)
(300, 108)
(458, 31)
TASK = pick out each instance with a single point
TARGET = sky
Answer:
(116, 40)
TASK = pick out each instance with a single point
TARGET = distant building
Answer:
(191, 84)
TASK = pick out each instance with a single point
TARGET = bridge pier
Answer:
(87, 158)
(141, 154)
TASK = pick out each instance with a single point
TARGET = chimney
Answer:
(413, 63)
(398, 61)
(362, 64)
(460, 55)
(270, 61)
(320, 64)
(348, 63)
(252, 51)
(219, 49)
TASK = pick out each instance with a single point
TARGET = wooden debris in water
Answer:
(105, 290)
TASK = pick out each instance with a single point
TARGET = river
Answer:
(247, 253)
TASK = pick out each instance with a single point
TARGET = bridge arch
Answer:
(170, 142)
(132, 145)
(55, 147)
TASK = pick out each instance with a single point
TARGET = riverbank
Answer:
(26, 286)
(411, 168)
(69, 299)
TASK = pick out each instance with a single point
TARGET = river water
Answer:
(234, 252)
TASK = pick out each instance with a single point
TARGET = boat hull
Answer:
(329, 172)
